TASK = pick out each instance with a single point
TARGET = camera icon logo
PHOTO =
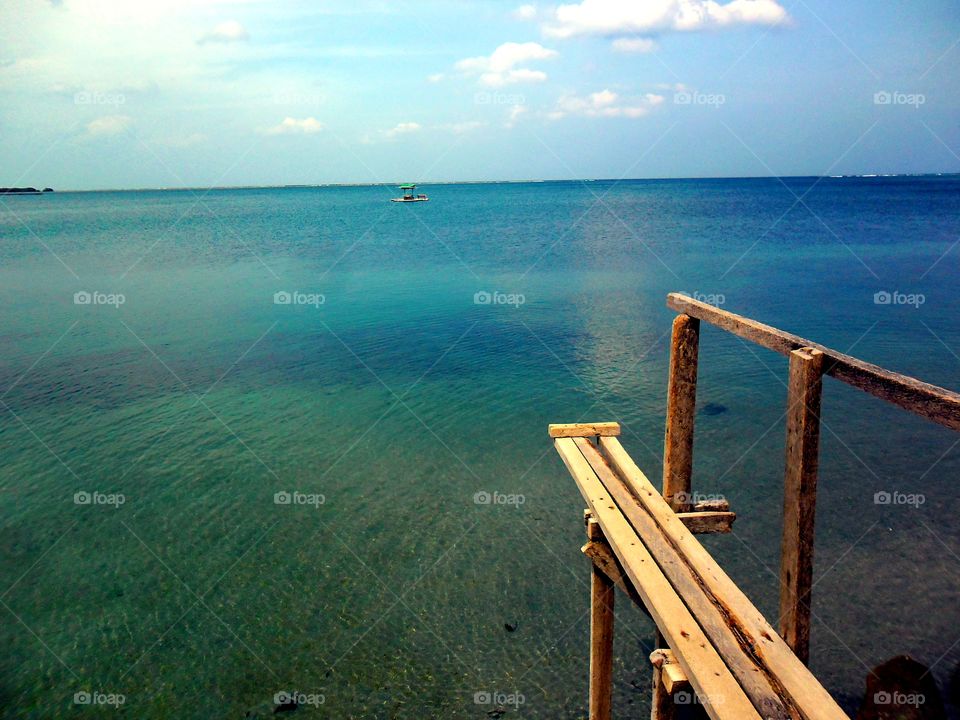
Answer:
(82, 298)
(484, 697)
(81, 698)
(282, 297)
(882, 298)
(482, 498)
(882, 98)
(82, 498)
(282, 498)
(882, 498)
(882, 698)
(482, 298)
(682, 98)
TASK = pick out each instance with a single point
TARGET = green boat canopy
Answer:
(408, 187)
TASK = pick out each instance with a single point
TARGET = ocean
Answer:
(294, 440)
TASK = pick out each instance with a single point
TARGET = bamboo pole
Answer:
(800, 498)
(681, 411)
(601, 634)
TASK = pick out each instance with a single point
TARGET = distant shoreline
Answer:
(308, 186)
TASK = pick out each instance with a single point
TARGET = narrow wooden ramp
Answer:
(642, 540)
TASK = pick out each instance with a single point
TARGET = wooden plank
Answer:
(705, 523)
(681, 411)
(723, 697)
(671, 675)
(800, 498)
(661, 706)
(930, 401)
(607, 429)
(602, 557)
(601, 644)
(795, 679)
(752, 676)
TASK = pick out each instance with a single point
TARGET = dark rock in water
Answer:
(901, 689)
(48, 189)
(288, 703)
(713, 409)
(510, 628)
(497, 713)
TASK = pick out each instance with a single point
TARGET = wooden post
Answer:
(601, 635)
(681, 411)
(800, 498)
(661, 705)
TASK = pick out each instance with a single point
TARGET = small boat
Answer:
(408, 195)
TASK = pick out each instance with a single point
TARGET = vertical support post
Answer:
(661, 705)
(601, 635)
(681, 412)
(800, 497)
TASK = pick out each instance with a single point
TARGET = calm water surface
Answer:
(399, 401)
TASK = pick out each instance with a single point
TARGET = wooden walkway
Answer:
(716, 649)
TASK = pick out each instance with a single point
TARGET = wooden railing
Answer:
(809, 362)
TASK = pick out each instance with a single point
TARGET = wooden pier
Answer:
(716, 649)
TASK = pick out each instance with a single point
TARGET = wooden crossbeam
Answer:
(607, 429)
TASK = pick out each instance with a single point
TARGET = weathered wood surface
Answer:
(930, 401)
(558, 430)
(752, 676)
(800, 498)
(708, 674)
(601, 644)
(603, 558)
(795, 680)
(671, 674)
(681, 411)
(706, 523)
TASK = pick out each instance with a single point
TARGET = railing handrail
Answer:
(920, 398)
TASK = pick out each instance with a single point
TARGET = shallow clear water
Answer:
(399, 399)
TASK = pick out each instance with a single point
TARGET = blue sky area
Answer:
(118, 94)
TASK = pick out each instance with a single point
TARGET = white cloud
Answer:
(404, 128)
(500, 67)
(525, 12)
(109, 125)
(291, 126)
(226, 32)
(606, 103)
(463, 127)
(515, 112)
(435, 78)
(613, 18)
(634, 45)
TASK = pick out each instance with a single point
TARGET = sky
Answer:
(99, 94)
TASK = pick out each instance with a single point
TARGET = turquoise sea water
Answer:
(400, 401)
